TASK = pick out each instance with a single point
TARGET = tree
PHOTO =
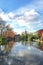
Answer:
(2, 26)
(22, 37)
(2, 29)
(26, 36)
(9, 33)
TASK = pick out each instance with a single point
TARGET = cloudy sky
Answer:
(22, 14)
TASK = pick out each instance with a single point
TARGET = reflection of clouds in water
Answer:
(21, 50)
(25, 54)
(2, 48)
(18, 50)
(33, 50)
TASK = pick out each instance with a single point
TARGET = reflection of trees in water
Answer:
(30, 55)
(9, 46)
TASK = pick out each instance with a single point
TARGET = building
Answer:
(17, 37)
(40, 32)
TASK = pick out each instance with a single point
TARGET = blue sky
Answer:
(22, 14)
(9, 5)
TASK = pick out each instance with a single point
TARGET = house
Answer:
(17, 37)
(40, 32)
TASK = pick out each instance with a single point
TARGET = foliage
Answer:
(29, 37)
(32, 37)
(26, 36)
(9, 32)
(0, 40)
(3, 41)
(22, 37)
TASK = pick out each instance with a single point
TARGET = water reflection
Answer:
(21, 50)
(29, 55)
(23, 55)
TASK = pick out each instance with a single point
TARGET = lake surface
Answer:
(23, 55)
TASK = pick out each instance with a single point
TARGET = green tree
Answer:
(22, 37)
(26, 36)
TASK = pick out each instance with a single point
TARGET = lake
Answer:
(23, 54)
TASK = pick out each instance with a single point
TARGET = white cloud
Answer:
(31, 15)
(4, 16)
(30, 19)
(18, 31)
(31, 12)
(11, 15)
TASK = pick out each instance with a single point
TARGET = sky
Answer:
(22, 14)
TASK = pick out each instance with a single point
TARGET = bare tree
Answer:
(2, 26)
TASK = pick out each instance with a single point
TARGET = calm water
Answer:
(23, 55)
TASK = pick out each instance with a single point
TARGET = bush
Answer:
(4, 41)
